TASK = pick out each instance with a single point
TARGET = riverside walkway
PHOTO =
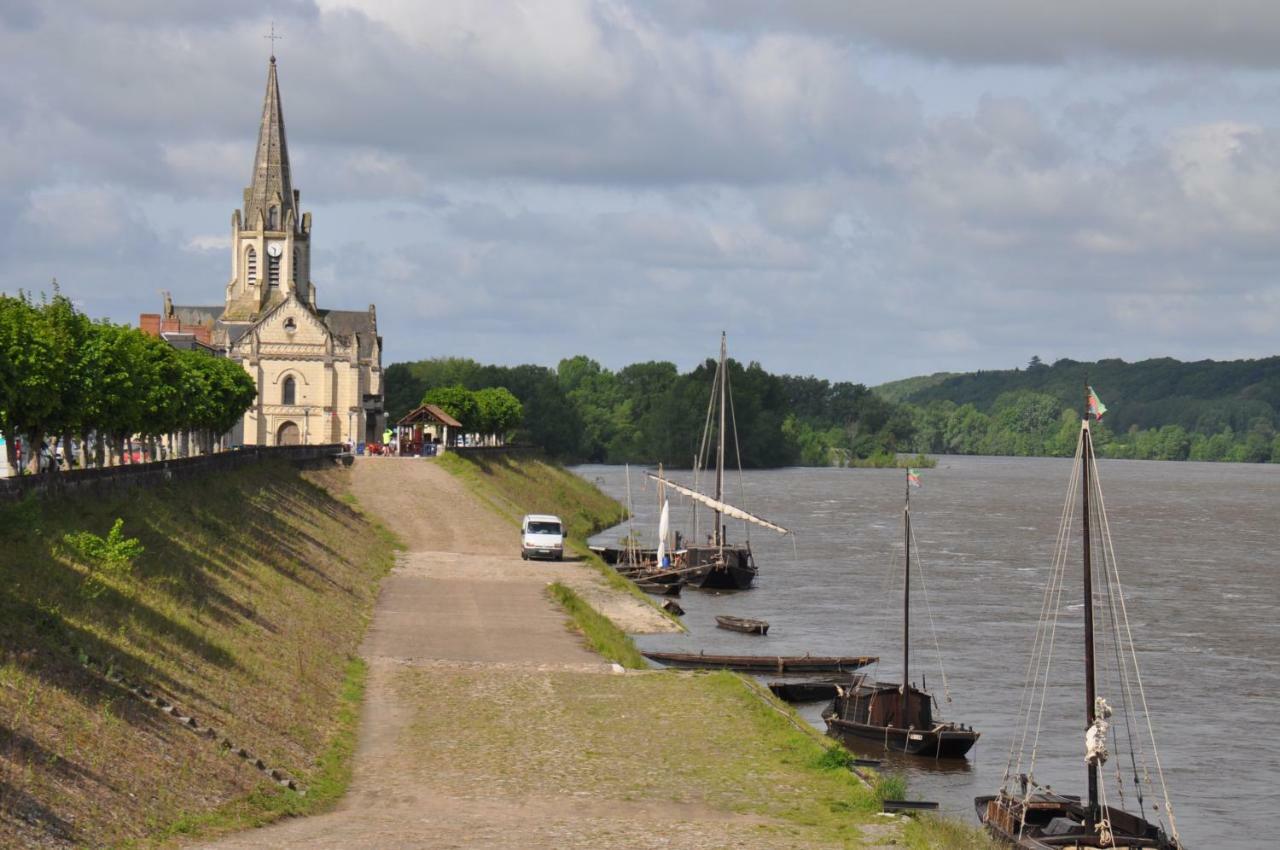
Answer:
(488, 724)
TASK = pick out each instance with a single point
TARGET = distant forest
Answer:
(651, 412)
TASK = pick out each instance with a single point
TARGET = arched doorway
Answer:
(288, 435)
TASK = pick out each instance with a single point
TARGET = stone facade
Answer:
(318, 372)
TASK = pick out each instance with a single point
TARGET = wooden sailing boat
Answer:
(1034, 817)
(899, 715)
(718, 564)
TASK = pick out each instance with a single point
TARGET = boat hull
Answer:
(728, 568)
(763, 663)
(738, 624)
(804, 691)
(658, 588)
(941, 743)
(1053, 822)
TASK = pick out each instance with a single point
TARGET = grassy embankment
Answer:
(716, 739)
(245, 611)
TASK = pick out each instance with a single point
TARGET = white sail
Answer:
(664, 524)
(722, 507)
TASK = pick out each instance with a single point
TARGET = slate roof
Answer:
(360, 323)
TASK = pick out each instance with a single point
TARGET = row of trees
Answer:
(650, 412)
(492, 412)
(63, 375)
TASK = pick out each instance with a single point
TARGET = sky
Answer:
(859, 191)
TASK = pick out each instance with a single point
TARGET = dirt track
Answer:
(462, 625)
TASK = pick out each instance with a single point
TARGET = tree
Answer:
(458, 402)
(500, 412)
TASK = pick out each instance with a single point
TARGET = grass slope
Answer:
(600, 632)
(245, 611)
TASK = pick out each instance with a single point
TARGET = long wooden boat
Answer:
(764, 663)
(745, 625)
(661, 588)
(900, 716)
(623, 557)
(1029, 816)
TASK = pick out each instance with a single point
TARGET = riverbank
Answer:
(704, 737)
(128, 690)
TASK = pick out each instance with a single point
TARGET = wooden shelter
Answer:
(426, 424)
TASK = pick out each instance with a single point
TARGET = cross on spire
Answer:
(273, 38)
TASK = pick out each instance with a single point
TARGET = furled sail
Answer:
(664, 524)
(722, 507)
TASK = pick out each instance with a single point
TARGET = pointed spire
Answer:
(271, 185)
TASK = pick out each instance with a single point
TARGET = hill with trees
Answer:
(1159, 409)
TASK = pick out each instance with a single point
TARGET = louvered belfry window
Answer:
(273, 271)
(251, 265)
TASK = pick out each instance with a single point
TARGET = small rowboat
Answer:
(743, 624)
(764, 663)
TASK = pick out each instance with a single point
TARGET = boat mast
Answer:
(1090, 687)
(903, 704)
(720, 444)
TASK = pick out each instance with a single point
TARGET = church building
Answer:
(318, 372)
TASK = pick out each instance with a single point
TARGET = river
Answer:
(1197, 547)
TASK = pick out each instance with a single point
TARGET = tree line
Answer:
(651, 412)
(65, 376)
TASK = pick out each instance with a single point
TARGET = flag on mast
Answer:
(1096, 407)
(913, 476)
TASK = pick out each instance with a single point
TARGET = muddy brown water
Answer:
(1197, 547)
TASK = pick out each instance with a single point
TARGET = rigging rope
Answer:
(937, 648)
(737, 450)
(1155, 752)
(1049, 608)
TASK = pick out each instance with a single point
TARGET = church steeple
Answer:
(270, 192)
(271, 244)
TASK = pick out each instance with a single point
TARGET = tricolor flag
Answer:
(1096, 407)
(913, 476)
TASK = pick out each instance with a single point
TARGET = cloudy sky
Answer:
(858, 190)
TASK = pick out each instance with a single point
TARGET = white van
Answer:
(541, 536)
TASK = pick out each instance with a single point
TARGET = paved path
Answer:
(461, 600)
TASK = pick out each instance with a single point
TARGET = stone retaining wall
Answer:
(159, 472)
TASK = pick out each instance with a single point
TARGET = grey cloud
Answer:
(495, 185)
(1232, 33)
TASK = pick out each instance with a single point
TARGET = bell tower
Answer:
(270, 239)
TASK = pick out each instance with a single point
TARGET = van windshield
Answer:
(544, 528)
